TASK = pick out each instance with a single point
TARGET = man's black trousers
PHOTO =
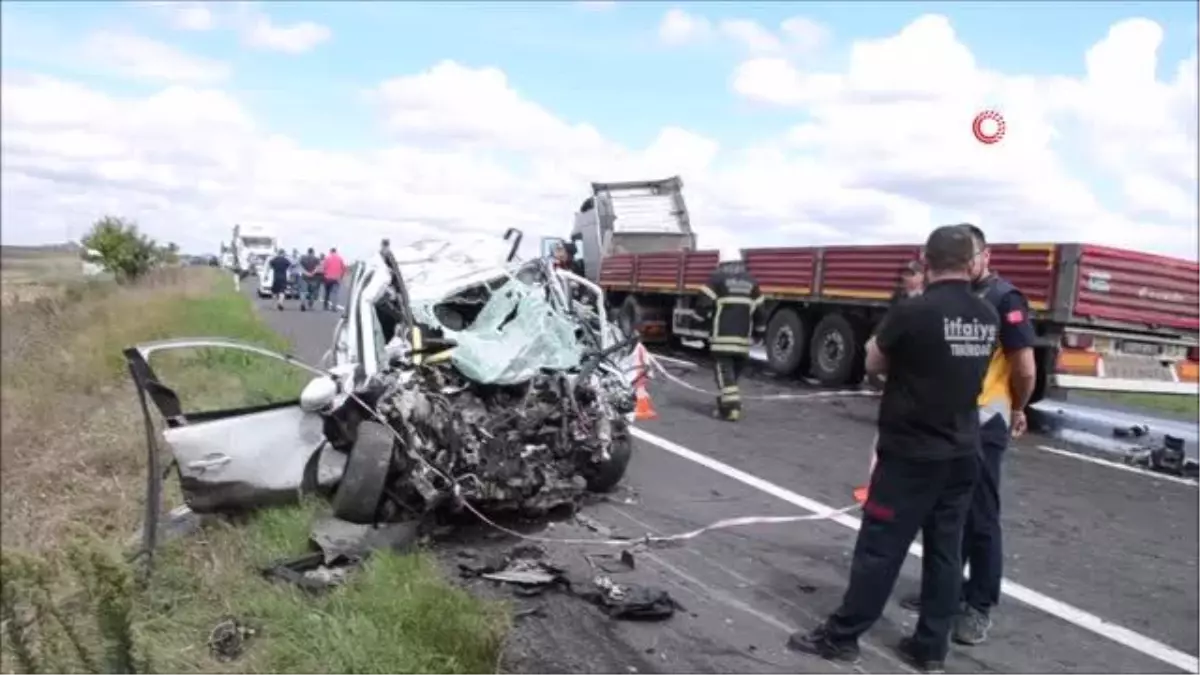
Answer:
(981, 545)
(728, 369)
(905, 497)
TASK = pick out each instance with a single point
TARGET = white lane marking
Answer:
(1085, 620)
(1117, 465)
(767, 618)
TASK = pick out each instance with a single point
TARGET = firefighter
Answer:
(730, 303)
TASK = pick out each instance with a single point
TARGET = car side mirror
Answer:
(318, 394)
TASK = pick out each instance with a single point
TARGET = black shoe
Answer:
(911, 654)
(912, 603)
(303, 308)
(817, 643)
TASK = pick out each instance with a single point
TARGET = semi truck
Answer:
(249, 250)
(1106, 318)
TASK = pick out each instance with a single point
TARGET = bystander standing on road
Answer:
(279, 265)
(335, 269)
(319, 279)
(910, 284)
(935, 350)
(308, 276)
(1007, 388)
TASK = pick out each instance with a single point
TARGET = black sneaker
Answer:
(911, 654)
(817, 643)
(912, 603)
(971, 626)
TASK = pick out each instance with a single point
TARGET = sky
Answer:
(337, 124)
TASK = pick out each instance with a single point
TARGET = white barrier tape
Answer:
(652, 540)
(843, 393)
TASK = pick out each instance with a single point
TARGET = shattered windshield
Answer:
(515, 334)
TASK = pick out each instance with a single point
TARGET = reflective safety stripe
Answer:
(729, 349)
(730, 398)
(708, 291)
(416, 345)
(439, 357)
(757, 302)
(730, 390)
(716, 320)
(735, 300)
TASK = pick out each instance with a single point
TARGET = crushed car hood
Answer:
(435, 269)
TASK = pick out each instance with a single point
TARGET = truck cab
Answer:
(646, 216)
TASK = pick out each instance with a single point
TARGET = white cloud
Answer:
(258, 30)
(797, 35)
(197, 16)
(255, 26)
(899, 120)
(141, 58)
(678, 27)
(878, 156)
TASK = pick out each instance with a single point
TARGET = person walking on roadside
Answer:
(335, 269)
(308, 277)
(279, 265)
(730, 302)
(1007, 388)
(935, 349)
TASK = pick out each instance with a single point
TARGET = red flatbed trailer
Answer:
(1106, 318)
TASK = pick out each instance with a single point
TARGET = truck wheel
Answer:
(834, 351)
(361, 489)
(629, 316)
(786, 342)
(605, 476)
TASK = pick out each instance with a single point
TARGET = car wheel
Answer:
(361, 489)
(835, 351)
(605, 476)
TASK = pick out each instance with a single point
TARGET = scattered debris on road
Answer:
(527, 569)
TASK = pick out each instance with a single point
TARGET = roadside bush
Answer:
(125, 251)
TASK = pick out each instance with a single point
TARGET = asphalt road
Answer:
(1112, 550)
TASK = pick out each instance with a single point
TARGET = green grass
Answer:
(1175, 405)
(397, 614)
(72, 490)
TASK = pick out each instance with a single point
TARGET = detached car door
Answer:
(237, 458)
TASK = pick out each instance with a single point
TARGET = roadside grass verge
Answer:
(72, 491)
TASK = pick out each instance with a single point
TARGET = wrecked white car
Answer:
(456, 376)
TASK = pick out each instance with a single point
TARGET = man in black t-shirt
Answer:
(935, 350)
(279, 277)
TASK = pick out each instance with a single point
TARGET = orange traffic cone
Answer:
(862, 491)
(644, 409)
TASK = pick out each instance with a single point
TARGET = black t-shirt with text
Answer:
(938, 346)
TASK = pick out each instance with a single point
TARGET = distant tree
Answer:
(124, 251)
(169, 254)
